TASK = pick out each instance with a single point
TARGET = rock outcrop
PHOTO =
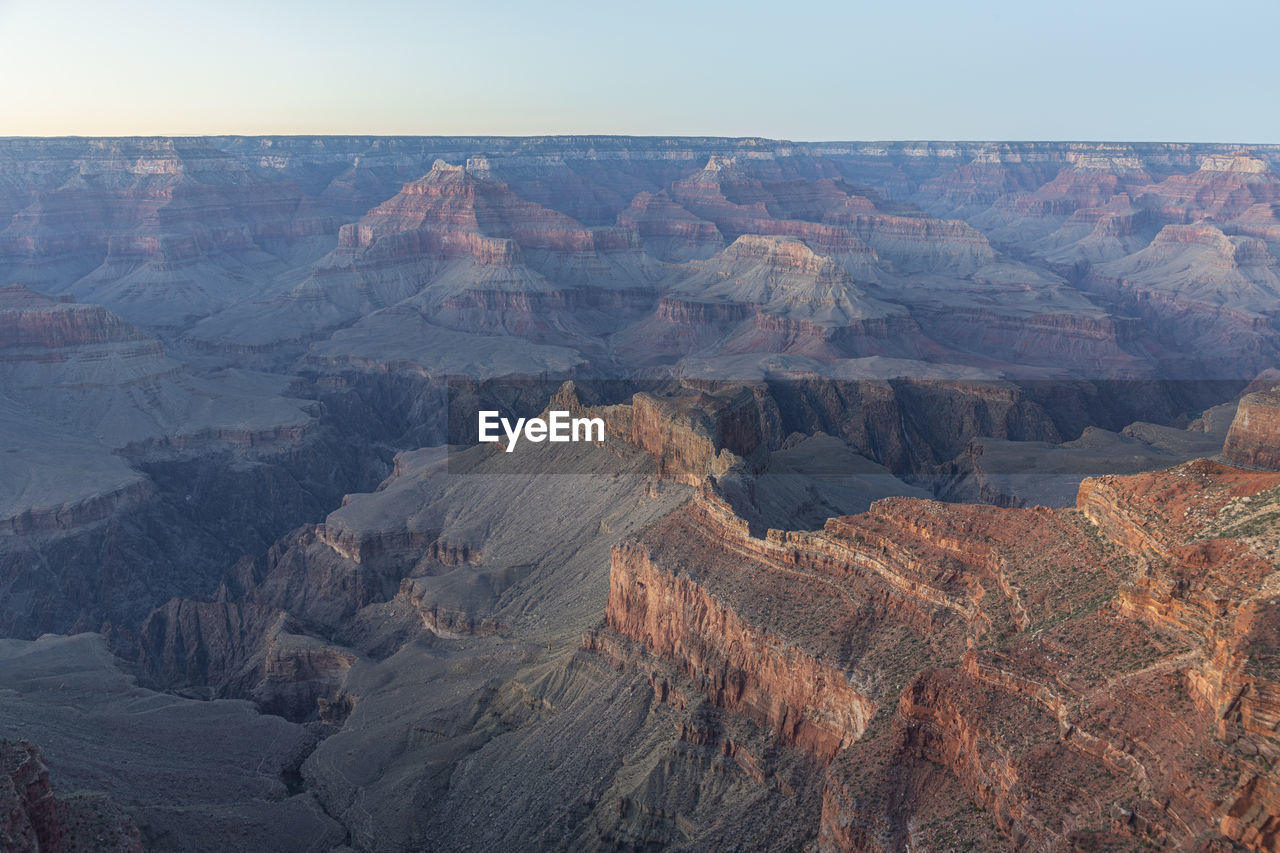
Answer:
(696, 436)
(161, 231)
(809, 703)
(765, 295)
(1254, 437)
(1223, 187)
(116, 458)
(1113, 649)
(470, 255)
(34, 820)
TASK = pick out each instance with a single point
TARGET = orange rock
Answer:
(1254, 438)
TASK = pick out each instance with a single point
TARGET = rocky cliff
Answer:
(117, 457)
(37, 821)
(1254, 438)
(1117, 650)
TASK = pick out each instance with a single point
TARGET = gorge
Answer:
(935, 503)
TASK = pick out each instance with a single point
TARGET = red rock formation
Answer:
(158, 230)
(33, 820)
(618, 418)
(1261, 221)
(469, 254)
(810, 704)
(1224, 187)
(668, 231)
(996, 171)
(449, 213)
(993, 643)
(28, 320)
(1098, 234)
(1196, 282)
(830, 217)
(767, 295)
(696, 436)
(1089, 678)
(1254, 437)
(1089, 182)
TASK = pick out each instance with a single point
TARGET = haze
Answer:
(1096, 70)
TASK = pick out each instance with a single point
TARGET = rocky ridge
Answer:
(987, 669)
(793, 332)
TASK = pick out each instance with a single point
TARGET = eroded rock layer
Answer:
(238, 387)
(35, 820)
(1091, 676)
(1254, 438)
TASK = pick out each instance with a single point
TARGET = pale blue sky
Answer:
(853, 70)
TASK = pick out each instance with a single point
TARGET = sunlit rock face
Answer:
(1254, 438)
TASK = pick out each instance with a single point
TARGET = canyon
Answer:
(936, 504)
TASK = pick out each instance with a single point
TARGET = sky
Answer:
(1133, 71)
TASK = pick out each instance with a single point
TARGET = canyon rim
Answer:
(912, 496)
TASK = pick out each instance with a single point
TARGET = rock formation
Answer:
(991, 667)
(1254, 437)
(35, 820)
(108, 439)
(892, 541)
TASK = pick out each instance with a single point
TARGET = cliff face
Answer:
(740, 198)
(690, 433)
(1223, 187)
(775, 295)
(472, 255)
(28, 320)
(692, 437)
(30, 808)
(158, 230)
(1254, 437)
(104, 439)
(669, 231)
(1072, 669)
(244, 651)
(705, 427)
(458, 241)
(34, 820)
(885, 421)
(741, 668)
(260, 639)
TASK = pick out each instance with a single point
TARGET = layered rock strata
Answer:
(1108, 649)
(1254, 437)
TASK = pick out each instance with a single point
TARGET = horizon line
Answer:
(679, 136)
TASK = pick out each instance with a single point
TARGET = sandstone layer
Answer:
(1254, 438)
(1113, 649)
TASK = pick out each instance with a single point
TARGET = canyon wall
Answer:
(1009, 646)
(1254, 439)
(214, 350)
